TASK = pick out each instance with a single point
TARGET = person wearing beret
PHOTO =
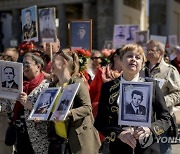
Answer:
(140, 140)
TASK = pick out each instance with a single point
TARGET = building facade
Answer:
(104, 14)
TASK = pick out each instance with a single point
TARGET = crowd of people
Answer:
(94, 115)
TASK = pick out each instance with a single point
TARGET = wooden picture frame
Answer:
(11, 79)
(81, 34)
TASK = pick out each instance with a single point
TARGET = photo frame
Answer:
(81, 34)
(47, 25)
(65, 102)
(161, 39)
(108, 45)
(29, 24)
(124, 34)
(11, 79)
(44, 104)
(135, 103)
(142, 37)
(172, 40)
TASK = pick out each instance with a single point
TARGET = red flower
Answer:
(83, 52)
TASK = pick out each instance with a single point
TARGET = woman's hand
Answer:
(141, 130)
(128, 138)
(22, 98)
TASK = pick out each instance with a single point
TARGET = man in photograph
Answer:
(80, 39)
(120, 33)
(47, 24)
(135, 106)
(131, 33)
(9, 78)
(29, 29)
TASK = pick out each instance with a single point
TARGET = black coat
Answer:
(106, 120)
(14, 85)
(130, 110)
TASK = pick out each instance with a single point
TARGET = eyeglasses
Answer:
(93, 58)
(152, 50)
(26, 64)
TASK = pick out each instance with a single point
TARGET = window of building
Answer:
(136, 4)
(177, 1)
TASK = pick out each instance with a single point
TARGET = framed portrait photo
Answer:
(81, 34)
(29, 24)
(142, 37)
(65, 102)
(11, 79)
(44, 104)
(108, 45)
(135, 103)
(47, 26)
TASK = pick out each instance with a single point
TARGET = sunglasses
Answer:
(93, 58)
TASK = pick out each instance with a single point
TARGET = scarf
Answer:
(28, 87)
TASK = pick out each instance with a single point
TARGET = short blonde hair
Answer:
(131, 47)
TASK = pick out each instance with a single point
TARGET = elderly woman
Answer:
(31, 135)
(132, 59)
(78, 128)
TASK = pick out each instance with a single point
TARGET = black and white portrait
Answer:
(29, 24)
(47, 26)
(44, 103)
(8, 74)
(108, 45)
(135, 103)
(81, 34)
(131, 33)
(10, 79)
(65, 102)
(142, 37)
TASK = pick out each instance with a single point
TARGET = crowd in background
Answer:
(97, 72)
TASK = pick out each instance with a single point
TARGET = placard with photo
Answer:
(81, 34)
(124, 34)
(161, 39)
(29, 24)
(11, 79)
(135, 104)
(47, 26)
(44, 104)
(142, 37)
(65, 102)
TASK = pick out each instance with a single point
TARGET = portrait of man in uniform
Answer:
(9, 75)
(47, 24)
(29, 26)
(81, 35)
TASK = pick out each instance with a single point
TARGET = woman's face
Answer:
(131, 62)
(30, 68)
(57, 64)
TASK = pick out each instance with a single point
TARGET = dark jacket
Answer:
(130, 110)
(107, 118)
(14, 85)
(82, 135)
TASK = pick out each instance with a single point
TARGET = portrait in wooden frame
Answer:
(81, 34)
(11, 79)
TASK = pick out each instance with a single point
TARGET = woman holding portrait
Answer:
(31, 135)
(78, 128)
(122, 138)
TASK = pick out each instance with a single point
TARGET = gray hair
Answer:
(36, 58)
